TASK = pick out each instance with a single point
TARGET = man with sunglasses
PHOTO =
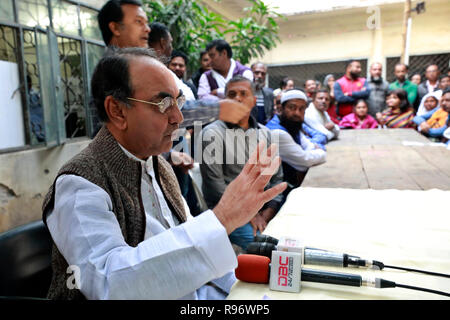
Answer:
(120, 226)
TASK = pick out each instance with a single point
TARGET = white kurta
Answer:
(173, 262)
(317, 120)
(299, 156)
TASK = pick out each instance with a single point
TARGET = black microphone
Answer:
(257, 269)
(264, 245)
(265, 238)
(313, 256)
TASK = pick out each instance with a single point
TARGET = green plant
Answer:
(193, 25)
(255, 33)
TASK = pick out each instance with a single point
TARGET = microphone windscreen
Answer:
(261, 248)
(265, 238)
(252, 268)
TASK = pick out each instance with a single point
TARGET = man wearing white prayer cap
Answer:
(297, 151)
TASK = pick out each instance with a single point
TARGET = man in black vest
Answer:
(115, 211)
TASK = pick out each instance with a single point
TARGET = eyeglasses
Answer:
(165, 103)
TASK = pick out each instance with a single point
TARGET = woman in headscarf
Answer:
(429, 102)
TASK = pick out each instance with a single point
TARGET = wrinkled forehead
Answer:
(239, 86)
(259, 68)
(322, 94)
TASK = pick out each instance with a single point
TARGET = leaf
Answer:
(193, 25)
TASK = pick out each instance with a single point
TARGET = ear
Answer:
(115, 28)
(116, 113)
(162, 44)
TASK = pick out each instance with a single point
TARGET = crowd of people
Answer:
(123, 210)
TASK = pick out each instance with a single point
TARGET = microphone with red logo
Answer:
(284, 273)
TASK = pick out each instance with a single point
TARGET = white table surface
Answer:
(409, 228)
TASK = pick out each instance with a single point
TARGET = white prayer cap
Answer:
(293, 94)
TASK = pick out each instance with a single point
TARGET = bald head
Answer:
(129, 86)
(376, 70)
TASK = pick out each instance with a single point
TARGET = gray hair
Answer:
(239, 78)
(111, 76)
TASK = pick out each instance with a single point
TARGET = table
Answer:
(381, 207)
(400, 159)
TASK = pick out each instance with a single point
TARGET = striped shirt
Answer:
(396, 119)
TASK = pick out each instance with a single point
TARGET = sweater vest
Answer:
(348, 86)
(105, 164)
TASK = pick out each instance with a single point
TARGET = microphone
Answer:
(313, 256)
(265, 238)
(284, 274)
(256, 269)
(264, 245)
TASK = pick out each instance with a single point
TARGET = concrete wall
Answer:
(343, 34)
(25, 178)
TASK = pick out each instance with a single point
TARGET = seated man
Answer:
(226, 147)
(316, 115)
(297, 152)
(434, 123)
(119, 224)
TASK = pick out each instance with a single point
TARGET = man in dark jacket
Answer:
(431, 83)
(263, 111)
(378, 89)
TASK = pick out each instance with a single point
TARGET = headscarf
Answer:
(325, 81)
(436, 94)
